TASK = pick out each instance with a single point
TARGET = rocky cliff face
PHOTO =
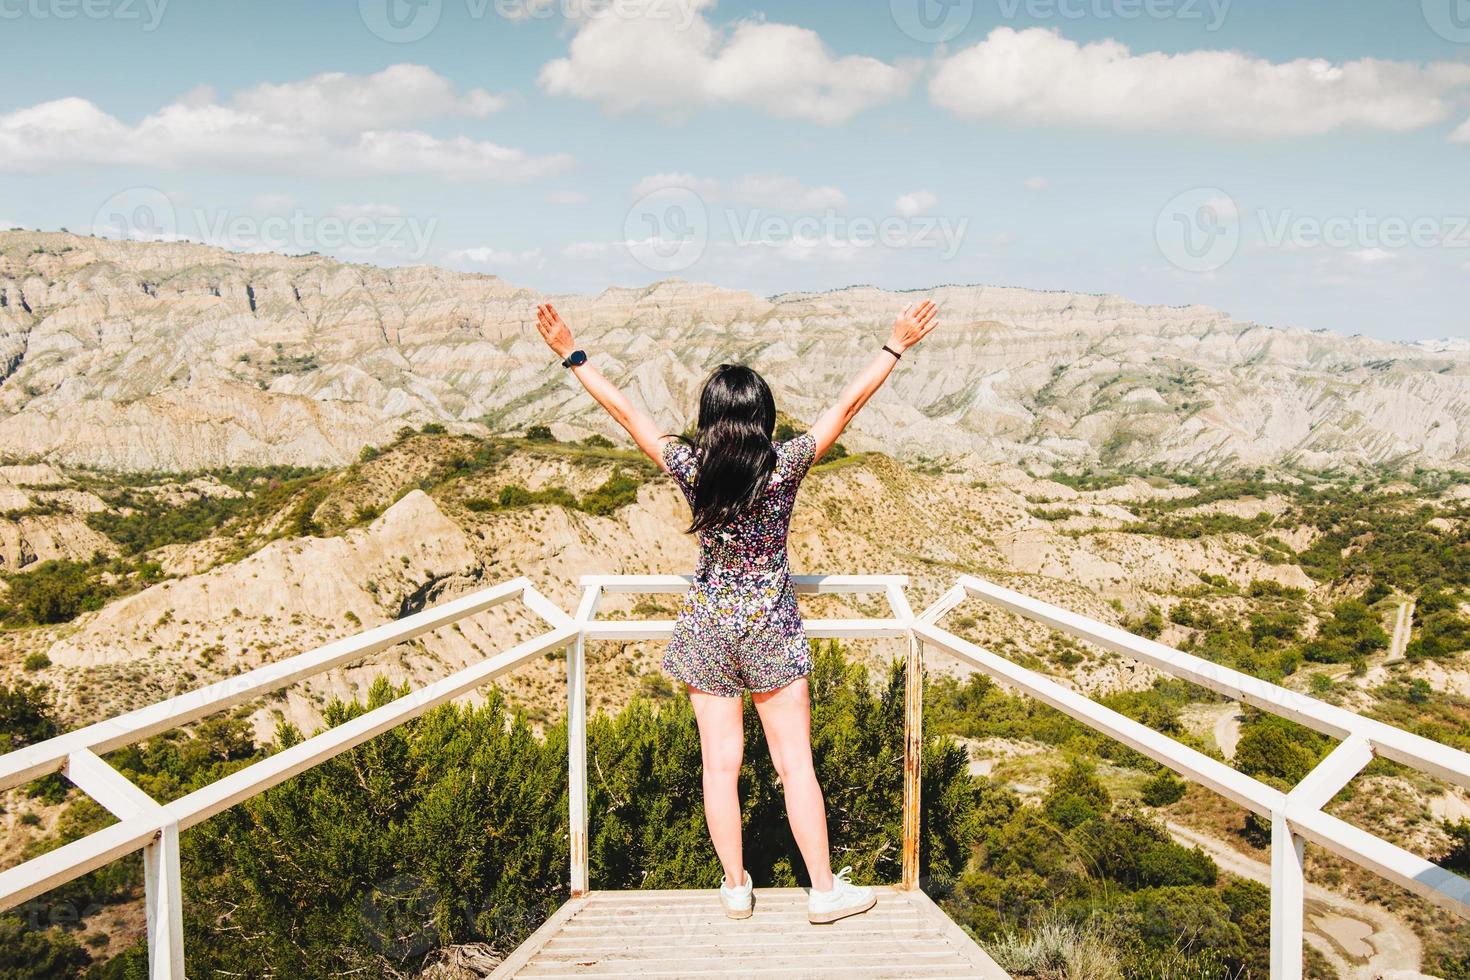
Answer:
(179, 357)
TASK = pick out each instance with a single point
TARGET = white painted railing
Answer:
(1296, 816)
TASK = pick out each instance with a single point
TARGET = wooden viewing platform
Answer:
(684, 933)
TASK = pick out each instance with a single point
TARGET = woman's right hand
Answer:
(554, 330)
(913, 325)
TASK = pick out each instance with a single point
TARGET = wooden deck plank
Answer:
(684, 933)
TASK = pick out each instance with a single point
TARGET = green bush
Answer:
(540, 433)
(452, 828)
(1278, 749)
(618, 491)
(1163, 789)
(1351, 634)
(25, 715)
(36, 661)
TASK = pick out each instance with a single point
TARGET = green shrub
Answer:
(540, 433)
(55, 591)
(618, 491)
(37, 661)
(25, 715)
(1163, 790)
(1352, 633)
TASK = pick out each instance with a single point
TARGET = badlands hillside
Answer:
(119, 589)
(174, 357)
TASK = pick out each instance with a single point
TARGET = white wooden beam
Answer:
(1412, 750)
(577, 829)
(254, 779)
(42, 758)
(1288, 898)
(1233, 785)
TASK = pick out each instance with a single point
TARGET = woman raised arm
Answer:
(913, 325)
(558, 337)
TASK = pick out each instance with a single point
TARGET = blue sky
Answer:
(1295, 163)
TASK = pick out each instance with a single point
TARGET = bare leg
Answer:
(786, 716)
(722, 747)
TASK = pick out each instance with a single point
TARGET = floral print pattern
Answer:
(739, 628)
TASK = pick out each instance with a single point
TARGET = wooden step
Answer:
(686, 934)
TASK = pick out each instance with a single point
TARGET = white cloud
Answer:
(338, 102)
(590, 250)
(1039, 76)
(916, 203)
(367, 211)
(1037, 183)
(1461, 135)
(1372, 256)
(772, 191)
(1224, 207)
(274, 203)
(566, 198)
(659, 182)
(267, 134)
(487, 257)
(656, 62)
(787, 194)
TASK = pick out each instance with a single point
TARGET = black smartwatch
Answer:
(575, 359)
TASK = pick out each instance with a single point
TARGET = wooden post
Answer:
(1288, 893)
(577, 745)
(913, 748)
(164, 897)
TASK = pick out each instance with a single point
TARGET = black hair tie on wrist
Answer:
(896, 355)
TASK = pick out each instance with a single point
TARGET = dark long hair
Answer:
(733, 445)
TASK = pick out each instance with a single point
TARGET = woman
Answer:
(739, 629)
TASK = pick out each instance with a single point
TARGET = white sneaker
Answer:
(842, 900)
(738, 902)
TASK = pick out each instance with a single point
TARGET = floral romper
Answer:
(739, 628)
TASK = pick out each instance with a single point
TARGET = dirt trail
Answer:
(1402, 626)
(1363, 942)
(1227, 730)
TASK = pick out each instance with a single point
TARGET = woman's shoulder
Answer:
(680, 458)
(795, 455)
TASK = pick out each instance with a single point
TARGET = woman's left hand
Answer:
(554, 330)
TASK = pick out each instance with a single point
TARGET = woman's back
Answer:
(739, 627)
(754, 543)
